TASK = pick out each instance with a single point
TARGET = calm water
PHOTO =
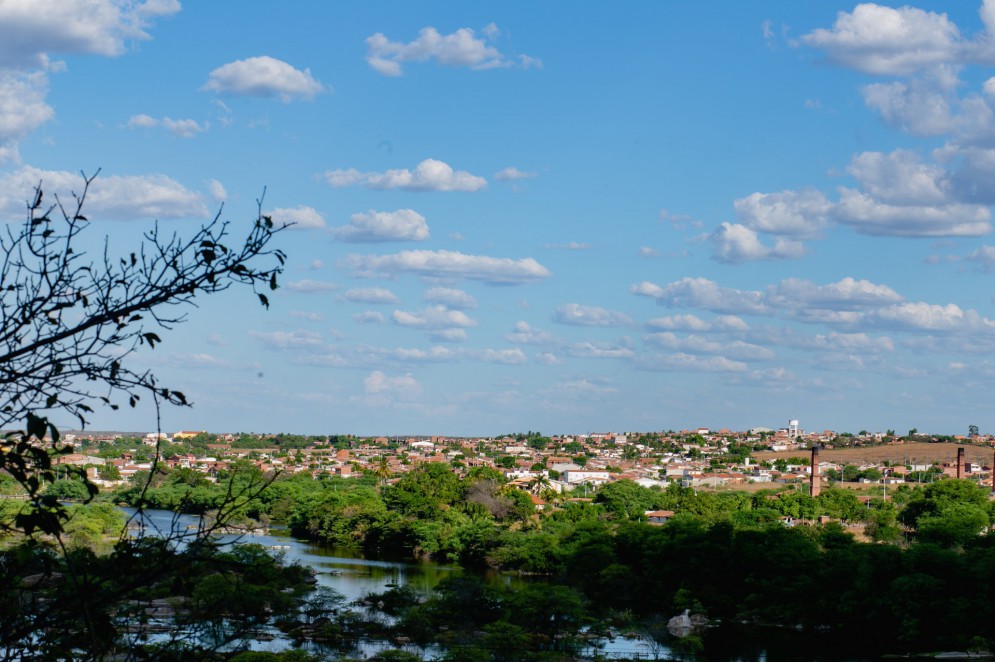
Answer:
(356, 577)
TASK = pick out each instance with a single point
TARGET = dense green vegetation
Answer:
(925, 582)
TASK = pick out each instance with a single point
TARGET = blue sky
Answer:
(619, 217)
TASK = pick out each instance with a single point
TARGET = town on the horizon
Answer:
(696, 457)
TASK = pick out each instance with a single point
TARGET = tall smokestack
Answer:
(960, 462)
(815, 484)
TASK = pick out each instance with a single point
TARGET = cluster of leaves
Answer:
(91, 606)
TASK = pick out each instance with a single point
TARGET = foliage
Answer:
(70, 325)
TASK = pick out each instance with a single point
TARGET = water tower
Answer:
(793, 427)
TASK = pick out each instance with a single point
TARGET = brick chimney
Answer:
(815, 478)
(960, 462)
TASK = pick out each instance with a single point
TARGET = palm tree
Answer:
(539, 483)
(382, 470)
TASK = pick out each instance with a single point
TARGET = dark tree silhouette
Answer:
(69, 323)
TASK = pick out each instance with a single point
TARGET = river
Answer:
(355, 577)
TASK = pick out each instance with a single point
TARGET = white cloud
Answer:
(433, 317)
(142, 121)
(921, 316)
(378, 226)
(922, 106)
(525, 334)
(448, 335)
(377, 383)
(602, 350)
(512, 356)
(307, 316)
(22, 108)
(369, 317)
(704, 294)
(681, 362)
(110, 197)
(263, 76)
(299, 218)
(899, 177)
(647, 251)
(450, 297)
(511, 174)
(848, 293)
(869, 216)
(796, 213)
(881, 40)
(280, 340)
(450, 264)
(985, 256)
(374, 295)
(576, 314)
(429, 175)
(720, 324)
(29, 29)
(734, 243)
(462, 48)
(218, 191)
(308, 286)
(695, 344)
(548, 358)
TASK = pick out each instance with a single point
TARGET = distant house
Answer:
(658, 517)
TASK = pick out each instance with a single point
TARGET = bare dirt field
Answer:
(902, 453)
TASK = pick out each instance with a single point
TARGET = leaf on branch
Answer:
(272, 281)
(263, 299)
(51, 401)
(151, 339)
(36, 426)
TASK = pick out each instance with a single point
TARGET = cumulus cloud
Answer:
(870, 216)
(263, 76)
(448, 335)
(797, 213)
(369, 317)
(309, 286)
(186, 128)
(307, 316)
(450, 297)
(298, 218)
(985, 256)
(886, 41)
(923, 106)
(217, 189)
(734, 243)
(30, 29)
(381, 226)
(22, 109)
(721, 323)
(525, 334)
(429, 175)
(450, 264)
(461, 48)
(511, 174)
(576, 314)
(378, 383)
(281, 340)
(704, 294)
(113, 197)
(694, 344)
(433, 317)
(602, 350)
(848, 293)
(374, 295)
(922, 316)
(682, 362)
